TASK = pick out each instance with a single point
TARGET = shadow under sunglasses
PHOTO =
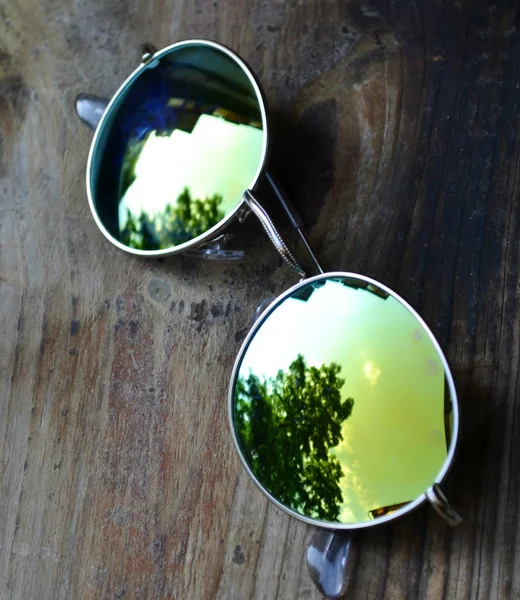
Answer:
(342, 406)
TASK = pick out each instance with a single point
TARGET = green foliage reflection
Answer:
(287, 426)
(175, 225)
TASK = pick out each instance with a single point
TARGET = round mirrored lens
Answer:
(341, 403)
(180, 145)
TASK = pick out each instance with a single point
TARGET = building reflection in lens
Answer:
(340, 405)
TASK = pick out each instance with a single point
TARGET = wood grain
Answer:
(396, 128)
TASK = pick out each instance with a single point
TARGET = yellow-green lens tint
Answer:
(341, 405)
(180, 145)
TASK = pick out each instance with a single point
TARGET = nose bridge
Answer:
(272, 233)
(294, 217)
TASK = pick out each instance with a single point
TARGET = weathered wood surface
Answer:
(397, 135)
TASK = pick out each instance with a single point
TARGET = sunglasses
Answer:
(342, 406)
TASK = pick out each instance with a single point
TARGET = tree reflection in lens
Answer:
(287, 426)
(391, 443)
(175, 225)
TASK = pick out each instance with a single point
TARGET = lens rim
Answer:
(449, 378)
(212, 233)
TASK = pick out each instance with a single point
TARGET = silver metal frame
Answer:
(427, 495)
(241, 206)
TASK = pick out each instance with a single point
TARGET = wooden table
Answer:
(396, 128)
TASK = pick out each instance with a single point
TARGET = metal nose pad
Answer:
(331, 559)
(90, 109)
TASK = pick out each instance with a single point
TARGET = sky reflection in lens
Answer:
(181, 145)
(355, 369)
